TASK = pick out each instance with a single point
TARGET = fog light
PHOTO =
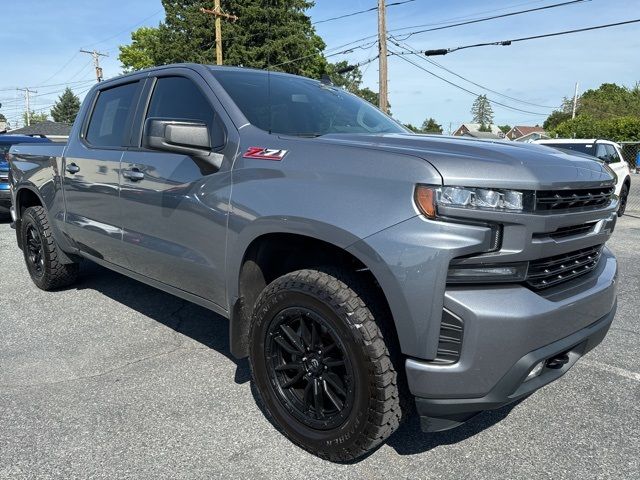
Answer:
(535, 371)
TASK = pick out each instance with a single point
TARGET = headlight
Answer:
(427, 198)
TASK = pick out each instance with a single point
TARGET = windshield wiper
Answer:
(308, 134)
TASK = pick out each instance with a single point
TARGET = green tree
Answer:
(431, 126)
(555, 118)
(276, 34)
(504, 128)
(35, 117)
(482, 113)
(610, 100)
(144, 50)
(66, 108)
(413, 128)
(585, 126)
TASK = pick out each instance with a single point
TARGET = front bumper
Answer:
(507, 331)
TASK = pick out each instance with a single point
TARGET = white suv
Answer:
(607, 151)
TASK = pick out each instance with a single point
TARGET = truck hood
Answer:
(486, 163)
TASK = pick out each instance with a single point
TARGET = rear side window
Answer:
(108, 123)
(178, 98)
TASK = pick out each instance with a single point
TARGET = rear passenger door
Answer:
(175, 206)
(91, 173)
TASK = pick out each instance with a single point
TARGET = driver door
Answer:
(174, 207)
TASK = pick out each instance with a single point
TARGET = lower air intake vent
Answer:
(551, 271)
(450, 341)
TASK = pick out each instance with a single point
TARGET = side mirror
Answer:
(180, 136)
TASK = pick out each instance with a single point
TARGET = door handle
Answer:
(134, 174)
(72, 168)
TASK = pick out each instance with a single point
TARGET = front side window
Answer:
(300, 106)
(178, 98)
(108, 123)
(612, 154)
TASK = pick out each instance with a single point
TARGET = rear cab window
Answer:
(108, 123)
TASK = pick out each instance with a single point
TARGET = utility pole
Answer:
(383, 102)
(96, 61)
(27, 99)
(218, 15)
(575, 101)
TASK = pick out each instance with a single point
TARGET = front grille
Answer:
(450, 341)
(551, 200)
(4, 178)
(551, 271)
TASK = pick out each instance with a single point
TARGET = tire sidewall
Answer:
(29, 218)
(624, 194)
(319, 440)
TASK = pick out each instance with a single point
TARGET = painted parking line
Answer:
(622, 372)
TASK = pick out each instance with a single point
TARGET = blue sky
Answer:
(41, 41)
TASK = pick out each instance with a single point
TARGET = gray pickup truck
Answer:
(367, 272)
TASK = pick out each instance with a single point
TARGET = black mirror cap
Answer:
(180, 136)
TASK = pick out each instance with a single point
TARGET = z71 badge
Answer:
(260, 153)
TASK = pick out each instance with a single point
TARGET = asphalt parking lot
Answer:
(114, 379)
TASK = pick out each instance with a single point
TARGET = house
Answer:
(520, 131)
(532, 137)
(55, 131)
(473, 130)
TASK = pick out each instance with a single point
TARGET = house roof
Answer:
(526, 130)
(486, 135)
(475, 127)
(530, 137)
(46, 128)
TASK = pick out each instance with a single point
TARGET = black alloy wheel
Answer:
(35, 251)
(321, 365)
(308, 368)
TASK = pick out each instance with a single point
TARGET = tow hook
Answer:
(558, 361)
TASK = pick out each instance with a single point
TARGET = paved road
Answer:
(113, 379)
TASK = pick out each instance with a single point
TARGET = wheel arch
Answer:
(26, 196)
(270, 255)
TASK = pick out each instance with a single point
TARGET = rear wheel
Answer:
(321, 365)
(624, 194)
(41, 252)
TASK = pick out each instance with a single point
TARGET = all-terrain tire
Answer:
(375, 412)
(46, 269)
(624, 196)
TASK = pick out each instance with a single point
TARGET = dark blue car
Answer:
(6, 141)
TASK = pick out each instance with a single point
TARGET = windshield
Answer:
(299, 106)
(586, 148)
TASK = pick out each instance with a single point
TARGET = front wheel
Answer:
(624, 194)
(321, 365)
(41, 252)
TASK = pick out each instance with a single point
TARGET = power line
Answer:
(504, 15)
(506, 43)
(414, 51)
(359, 12)
(128, 30)
(444, 22)
(467, 90)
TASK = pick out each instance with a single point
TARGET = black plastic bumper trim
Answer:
(437, 414)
